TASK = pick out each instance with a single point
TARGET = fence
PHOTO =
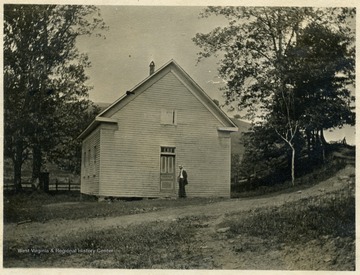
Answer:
(54, 185)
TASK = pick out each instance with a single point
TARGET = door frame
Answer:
(168, 151)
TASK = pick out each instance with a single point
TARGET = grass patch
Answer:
(152, 245)
(330, 215)
(42, 207)
(316, 233)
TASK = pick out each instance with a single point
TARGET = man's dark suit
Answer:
(182, 182)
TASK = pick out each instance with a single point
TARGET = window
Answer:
(84, 164)
(89, 162)
(168, 117)
(95, 154)
(168, 150)
(94, 160)
(167, 164)
(163, 165)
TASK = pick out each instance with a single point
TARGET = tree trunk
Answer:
(317, 148)
(323, 144)
(293, 153)
(292, 164)
(308, 140)
(17, 162)
(37, 162)
(313, 141)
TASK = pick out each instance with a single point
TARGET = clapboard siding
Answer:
(130, 156)
(90, 166)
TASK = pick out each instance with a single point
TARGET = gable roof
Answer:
(184, 78)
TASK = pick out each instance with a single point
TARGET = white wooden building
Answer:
(133, 148)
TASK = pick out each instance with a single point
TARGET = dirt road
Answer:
(61, 228)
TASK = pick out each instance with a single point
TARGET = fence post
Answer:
(56, 184)
(69, 184)
(44, 181)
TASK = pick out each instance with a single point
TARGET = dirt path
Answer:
(61, 228)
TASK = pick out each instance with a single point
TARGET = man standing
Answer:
(182, 179)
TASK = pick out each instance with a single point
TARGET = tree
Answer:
(264, 151)
(67, 152)
(321, 68)
(44, 77)
(255, 60)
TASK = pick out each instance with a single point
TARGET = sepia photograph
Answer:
(160, 137)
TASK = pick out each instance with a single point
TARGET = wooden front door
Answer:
(167, 170)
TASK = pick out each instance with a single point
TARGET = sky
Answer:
(138, 35)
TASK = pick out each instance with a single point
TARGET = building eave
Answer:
(228, 129)
(94, 124)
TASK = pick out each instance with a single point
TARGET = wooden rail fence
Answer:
(54, 185)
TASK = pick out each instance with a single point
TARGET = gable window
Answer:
(168, 117)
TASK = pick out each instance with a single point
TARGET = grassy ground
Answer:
(307, 219)
(165, 244)
(42, 207)
(313, 233)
